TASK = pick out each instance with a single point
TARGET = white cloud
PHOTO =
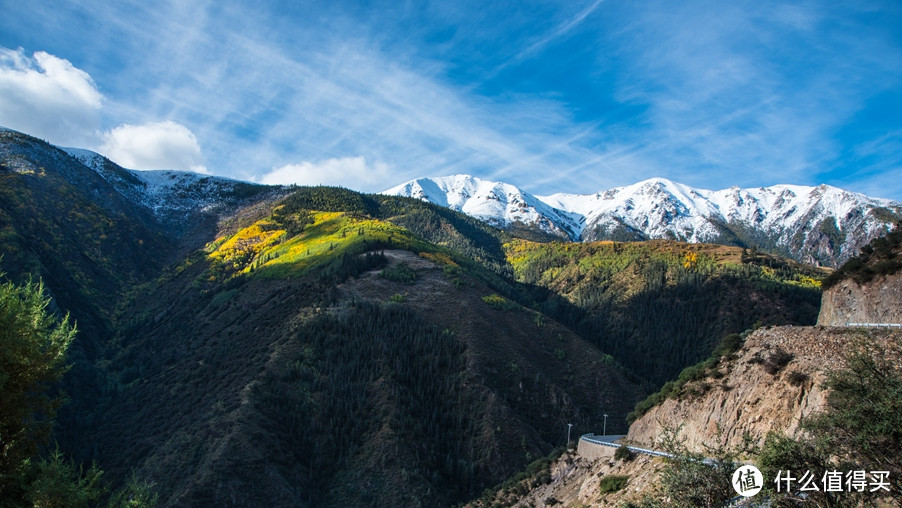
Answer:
(156, 145)
(48, 97)
(351, 172)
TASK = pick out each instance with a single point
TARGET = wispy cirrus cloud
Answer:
(587, 97)
(756, 94)
(544, 39)
(260, 106)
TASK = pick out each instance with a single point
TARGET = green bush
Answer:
(61, 483)
(401, 272)
(613, 483)
(708, 367)
(691, 479)
(880, 257)
(728, 345)
(624, 453)
(499, 302)
(33, 345)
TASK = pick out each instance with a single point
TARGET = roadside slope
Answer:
(774, 380)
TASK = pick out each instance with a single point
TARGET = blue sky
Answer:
(549, 96)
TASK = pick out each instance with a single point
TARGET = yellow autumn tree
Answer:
(690, 260)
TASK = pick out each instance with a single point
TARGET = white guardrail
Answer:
(874, 325)
(609, 441)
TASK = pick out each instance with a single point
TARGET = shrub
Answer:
(399, 273)
(728, 345)
(33, 344)
(624, 453)
(860, 429)
(877, 258)
(706, 368)
(776, 361)
(692, 479)
(500, 303)
(63, 483)
(612, 483)
(797, 378)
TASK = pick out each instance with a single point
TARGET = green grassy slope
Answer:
(660, 306)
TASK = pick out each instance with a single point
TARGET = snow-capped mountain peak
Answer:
(499, 204)
(821, 224)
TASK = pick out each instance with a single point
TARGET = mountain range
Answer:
(241, 344)
(820, 225)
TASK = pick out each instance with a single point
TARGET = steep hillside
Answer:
(775, 379)
(62, 223)
(297, 384)
(248, 345)
(817, 225)
(91, 233)
(660, 306)
(867, 288)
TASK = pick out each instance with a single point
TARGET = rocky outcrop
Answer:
(775, 379)
(878, 301)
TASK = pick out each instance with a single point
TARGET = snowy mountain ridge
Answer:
(820, 225)
(171, 195)
(499, 204)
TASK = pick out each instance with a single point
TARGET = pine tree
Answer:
(33, 346)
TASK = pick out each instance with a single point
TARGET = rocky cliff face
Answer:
(879, 301)
(774, 380)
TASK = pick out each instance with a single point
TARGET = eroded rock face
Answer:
(878, 301)
(754, 396)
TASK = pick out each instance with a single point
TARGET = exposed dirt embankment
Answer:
(773, 381)
(879, 301)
